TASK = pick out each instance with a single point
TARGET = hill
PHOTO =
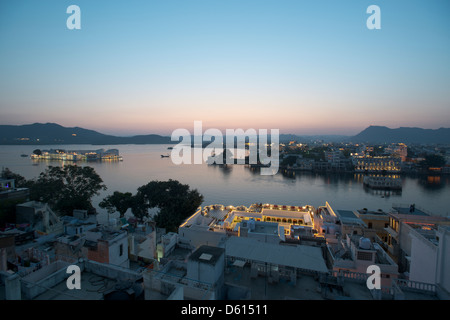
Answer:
(52, 133)
(411, 135)
(285, 138)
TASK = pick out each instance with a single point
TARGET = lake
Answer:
(238, 184)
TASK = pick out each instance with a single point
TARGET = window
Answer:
(370, 225)
(121, 250)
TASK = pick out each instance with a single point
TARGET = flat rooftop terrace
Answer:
(347, 214)
(218, 214)
(299, 256)
(266, 227)
(92, 288)
(406, 210)
(307, 287)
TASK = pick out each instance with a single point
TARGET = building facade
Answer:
(378, 164)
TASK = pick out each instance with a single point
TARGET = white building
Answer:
(284, 216)
(275, 260)
(356, 253)
(40, 216)
(269, 223)
(206, 266)
(378, 164)
(332, 223)
(430, 256)
(107, 246)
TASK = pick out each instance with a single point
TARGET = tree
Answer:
(176, 202)
(118, 201)
(67, 188)
(433, 161)
(289, 161)
(139, 207)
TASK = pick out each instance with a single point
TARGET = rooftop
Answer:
(92, 288)
(297, 256)
(349, 217)
(32, 204)
(266, 227)
(284, 213)
(427, 231)
(346, 214)
(207, 254)
(106, 234)
(370, 212)
(218, 214)
(407, 210)
(305, 287)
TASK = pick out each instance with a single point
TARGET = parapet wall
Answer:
(110, 271)
(41, 280)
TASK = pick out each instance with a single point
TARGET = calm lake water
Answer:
(238, 184)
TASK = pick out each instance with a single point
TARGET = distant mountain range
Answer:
(407, 135)
(285, 138)
(381, 135)
(52, 134)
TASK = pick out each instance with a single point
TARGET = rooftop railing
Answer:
(415, 285)
(405, 205)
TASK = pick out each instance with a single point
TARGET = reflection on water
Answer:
(383, 193)
(242, 184)
(431, 183)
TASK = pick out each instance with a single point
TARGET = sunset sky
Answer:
(304, 67)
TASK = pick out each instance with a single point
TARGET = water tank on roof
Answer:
(365, 243)
(331, 230)
(251, 224)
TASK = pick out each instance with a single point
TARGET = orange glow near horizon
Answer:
(253, 64)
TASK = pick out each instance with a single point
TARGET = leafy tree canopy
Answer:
(67, 188)
(118, 201)
(433, 160)
(176, 202)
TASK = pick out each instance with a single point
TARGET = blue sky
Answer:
(303, 67)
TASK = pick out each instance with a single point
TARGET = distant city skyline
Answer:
(303, 67)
